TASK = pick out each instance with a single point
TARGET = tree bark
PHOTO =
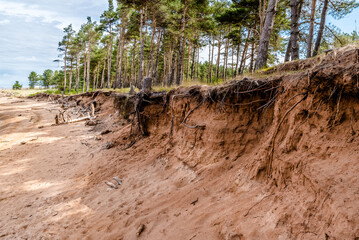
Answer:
(70, 80)
(142, 40)
(296, 8)
(65, 68)
(85, 71)
(117, 60)
(181, 48)
(321, 28)
(150, 63)
(103, 73)
(133, 72)
(154, 73)
(193, 61)
(88, 70)
(237, 60)
(211, 64)
(109, 64)
(77, 73)
(262, 55)
(311, 29)
(218, 55)
(173, 69)
(244, 53)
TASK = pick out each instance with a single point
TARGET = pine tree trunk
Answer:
(288, 51)
(244, 53)
(266, 33)
(85, 71)
(321, 28)
(189, 60)
(77, 73)
(237, 61)
(109, 64)
(88, 70)
(211, 69)
(193, 61)
(117, 60)
(142, 40)
(179, 77)
(70, 80)
(197, 74)
(65, 69)
(154, 73)
(218, 55)
(119, 82)
(173, 69)
(296, 8)
(133, 71)
(251, 65)
(103, 73)
(125, 80)
(150, 63)
(209, 60)
(311, 29)
(225, 60)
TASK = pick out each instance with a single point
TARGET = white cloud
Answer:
(5, 21)
(34, 13)
(26, 59)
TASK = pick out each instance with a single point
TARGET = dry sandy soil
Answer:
(211, 163)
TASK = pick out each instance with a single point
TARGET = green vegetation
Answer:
(16, 86)
(164, 39)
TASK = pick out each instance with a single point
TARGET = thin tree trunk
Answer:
(88, 70)
(209, 60)
(154, 73)
(152, 47)
(244, 53)
(181, 48)
(288, 51)
(85, 71)
(251, 66)
(125, 80)
(197, 63)
(321, 28)
(117, 59)
(193, 61)
(296, 8)
(311, 29)
(70, 80)
(211, 63)
(109, 64)
(218, 55)
(232, 62)
(142, 40)
(77, 73)
(133, 71)
(237, 60)
(65, 69)
(262, 55)
(225, 60)
(119, 82)
(173, 69)
(103, 73)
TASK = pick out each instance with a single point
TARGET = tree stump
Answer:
(132, 90)
(147, 83)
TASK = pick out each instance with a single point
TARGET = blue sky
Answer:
(31, 29)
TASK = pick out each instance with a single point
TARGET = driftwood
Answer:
(118, 180)
(110, 184)
(140, 230)
(72, 121)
